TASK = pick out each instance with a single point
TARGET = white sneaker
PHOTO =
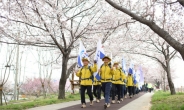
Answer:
(83, 105)
(91, 103)
(113, 102)
(97, 101)
(118, 102)
(108, 105)
(121, 99)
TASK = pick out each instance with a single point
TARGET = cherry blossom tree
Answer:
(149, 17)
(33, 86)
(45, 67)
(56, 24)
(5, 69)
(52, 23)
(160, 51)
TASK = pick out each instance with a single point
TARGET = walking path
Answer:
(138, 102)
(142, 103)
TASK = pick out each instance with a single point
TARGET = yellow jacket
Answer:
(136, 85)
(106, 73)
(117, 77)
(123, 78)
(130, 80)
(96, 82)
(85, 74)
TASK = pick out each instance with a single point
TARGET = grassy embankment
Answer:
(164, 101)
(25, 104)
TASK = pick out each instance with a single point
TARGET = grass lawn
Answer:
(20, 105)
(165, 101)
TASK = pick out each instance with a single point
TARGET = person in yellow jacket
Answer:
(130, 84)
(117, 82)
(123, 86)
(106, 73)
(149, 87)
(86, 74)
(97, 89)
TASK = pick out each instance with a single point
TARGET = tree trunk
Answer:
(1, 95)
(44, 91)
(164, 82)
(18, 92)
(4, 98)
(171, 84)
(62, 81)
(182, 53)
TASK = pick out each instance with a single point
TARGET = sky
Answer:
(179, 72)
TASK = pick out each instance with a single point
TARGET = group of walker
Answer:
(113, 81)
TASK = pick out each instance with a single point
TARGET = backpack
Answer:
(91, 77)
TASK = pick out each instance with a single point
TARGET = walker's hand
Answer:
(113, 68)
(76, 71)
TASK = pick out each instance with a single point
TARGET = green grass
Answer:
(165, 101)
(39, 102)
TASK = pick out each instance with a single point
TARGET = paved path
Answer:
(138, 102)
(142, 103)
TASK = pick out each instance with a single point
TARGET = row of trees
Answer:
(170, 35)
(59, 24)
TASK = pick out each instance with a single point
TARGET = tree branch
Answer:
(149, 56)
(29, 44)
(70, 69)
(47, 30)
(23, 23)
(161, 32)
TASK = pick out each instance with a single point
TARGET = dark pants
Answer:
(130, 88)
(149, 89)
(134, 90)
(106, 88)
(126, 90)
(89, 92)
(137, 90)
(116, 87)
(146, 89)
(97, 91)
(122, 91)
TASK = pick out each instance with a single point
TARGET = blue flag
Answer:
(97, 76)
(123, 65)
(130, 71)
(82, 53)
(134, 78)
(100, 54)
(141, 75)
